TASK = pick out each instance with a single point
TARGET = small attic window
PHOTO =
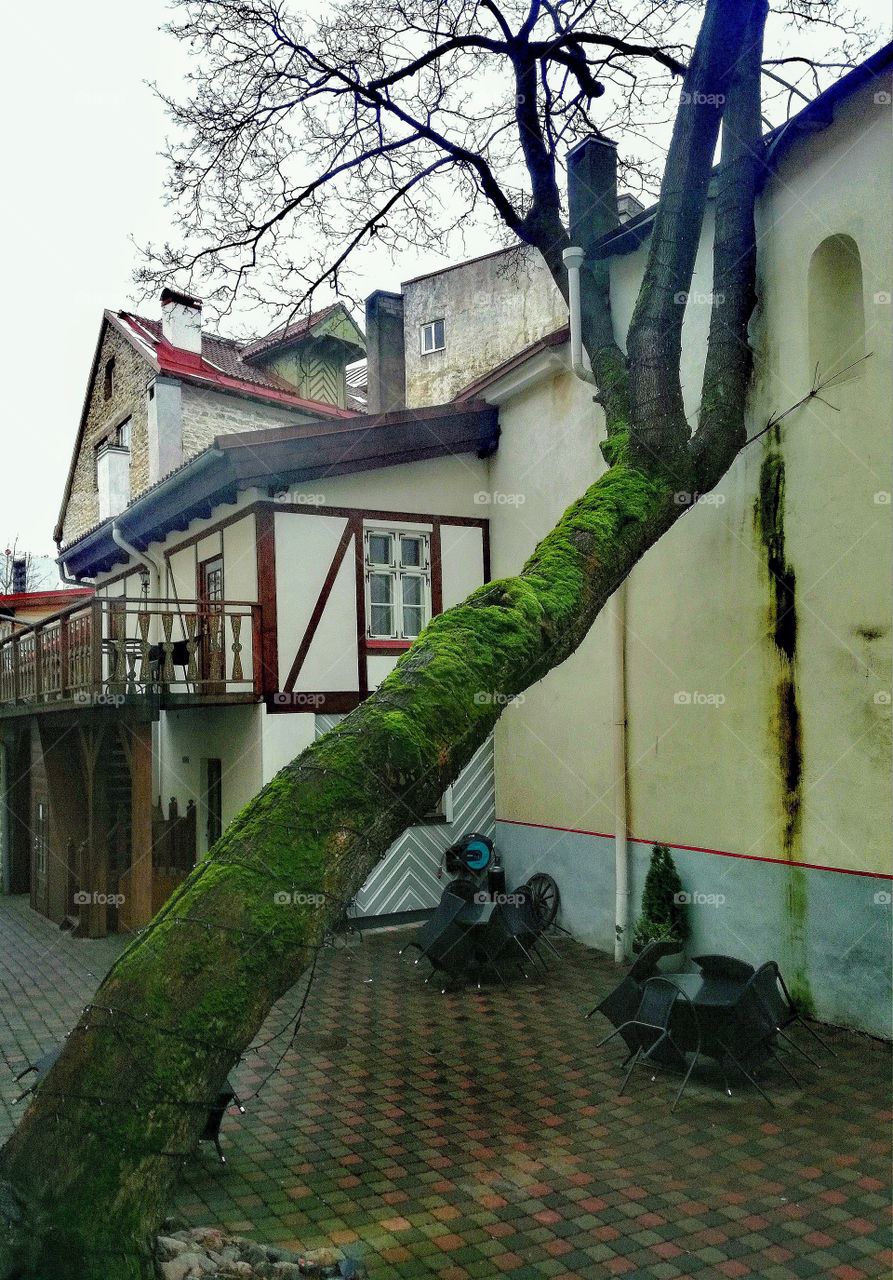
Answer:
(433, 337)
(108, 379)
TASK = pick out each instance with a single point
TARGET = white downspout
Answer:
(142, 557)
(573, 260)
(621, 835)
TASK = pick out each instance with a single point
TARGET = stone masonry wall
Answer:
(492, 308)
(131, 378)
(208, 413)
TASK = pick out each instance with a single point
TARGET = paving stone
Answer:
(480, 1135)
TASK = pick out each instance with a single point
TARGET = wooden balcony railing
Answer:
(127, 647)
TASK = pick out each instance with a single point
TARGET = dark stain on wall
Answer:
(769, 516)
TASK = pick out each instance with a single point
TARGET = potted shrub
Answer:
(663, 915)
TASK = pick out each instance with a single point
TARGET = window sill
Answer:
(387, 646)
(433, 820)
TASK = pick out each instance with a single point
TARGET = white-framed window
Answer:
(398, 583)
(122, 434)
(432, 337)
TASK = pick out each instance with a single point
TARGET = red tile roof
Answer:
(281, 336)
(221, 364)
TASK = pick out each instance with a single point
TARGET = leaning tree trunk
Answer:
(88, 1172)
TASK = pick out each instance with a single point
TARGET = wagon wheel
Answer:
(544, 897)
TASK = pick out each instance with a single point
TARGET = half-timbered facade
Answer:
(263, 588)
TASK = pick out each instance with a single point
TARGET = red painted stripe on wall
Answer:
(694, 848)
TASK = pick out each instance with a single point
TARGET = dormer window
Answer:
(122, 434)
(108, 380)
(433, 337)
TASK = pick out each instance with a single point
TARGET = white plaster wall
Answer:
(283, 737)
(708, 773)
(462, 561)
(440, 486)
(185, 738)
(305, 548)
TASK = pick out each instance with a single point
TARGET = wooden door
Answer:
(211, 624)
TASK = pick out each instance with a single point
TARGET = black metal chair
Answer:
(773, 991)
(444, 914)
(645, 964)
(650, 1037)
(620, 1007)
(715, 966)
(526, 924)
(642, 968)
(499, 941)
(747, 1039)
(453, 952)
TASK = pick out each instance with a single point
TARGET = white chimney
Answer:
(181, 321)
(112, 479)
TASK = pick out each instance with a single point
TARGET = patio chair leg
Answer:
(685, 1081)
(785, 1068)
(725, 1080)
(629, 1072)
(612, 1034)
(749, 1077)
(591, 1011)
(542, 938)
(795, 1045)
(815, 1035)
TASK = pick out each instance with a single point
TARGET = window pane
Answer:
(438, 333)
(411, 552)
(382, 620)
(379, 548)
(413, 620)
(412, 590)
(380, 588)
(381, 600)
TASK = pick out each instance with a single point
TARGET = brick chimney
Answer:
(181, 321)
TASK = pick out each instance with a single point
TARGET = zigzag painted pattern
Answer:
(406, 878)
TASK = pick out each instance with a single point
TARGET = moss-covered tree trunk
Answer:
(88, 1172)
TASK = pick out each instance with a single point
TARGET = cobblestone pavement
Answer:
(480, 1134)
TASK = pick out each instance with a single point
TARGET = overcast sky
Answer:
(82, 133)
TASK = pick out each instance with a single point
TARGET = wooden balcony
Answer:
(110, 652)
